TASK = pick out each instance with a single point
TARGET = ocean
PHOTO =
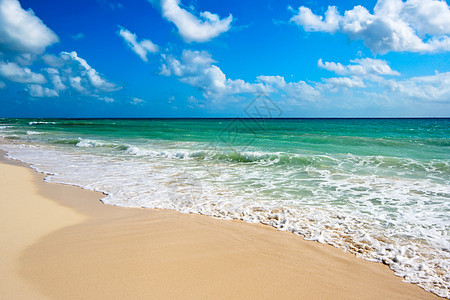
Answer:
(378, 188)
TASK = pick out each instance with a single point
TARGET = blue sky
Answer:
(198, 58)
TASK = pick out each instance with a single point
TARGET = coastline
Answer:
(62, 242)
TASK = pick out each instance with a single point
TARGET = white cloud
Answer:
(369, 75)
(106, 99)
(22, 31)
(56, 79)
(136, 101)
(355, 74)
(23, 40)
(141, 48)
(360, 67)
(312, 22)
(93, 78)
(39, 91)
(16, 73)
(76, 83)
(294, 90)
(435, 87)
(192, 28)
(365, 83)
(413, 26)
(197, 69)
(53, 60)
(67, 73)
(353, 82)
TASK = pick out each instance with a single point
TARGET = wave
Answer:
(40, 123)
(29, 132)
(86, 143)
(374, 163)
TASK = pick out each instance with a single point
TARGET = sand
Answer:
(61, 242)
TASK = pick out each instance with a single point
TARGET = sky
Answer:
(200, 58)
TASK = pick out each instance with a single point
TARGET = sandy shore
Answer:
(60, 242)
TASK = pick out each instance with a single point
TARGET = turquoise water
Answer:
(378, 188)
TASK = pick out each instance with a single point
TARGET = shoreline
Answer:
(93, 250)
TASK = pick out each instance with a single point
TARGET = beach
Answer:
(60, 241)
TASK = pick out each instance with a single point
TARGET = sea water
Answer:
(378, 188)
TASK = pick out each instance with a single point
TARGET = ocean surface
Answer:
(378, 188)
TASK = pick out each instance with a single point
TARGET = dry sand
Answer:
(60, 242)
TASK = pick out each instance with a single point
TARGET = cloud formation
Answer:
(87, 72)
(374, 74)
(136, 101)
(70, 70)
(23, 41)
(432, 88)
(411, 26)
(192, 28)
(364, 78)
(21, 31)
(197, 69)
(16, 73)
(39, 91)
(347, 82)
(360, 67)
(66, 72)
(142, 48)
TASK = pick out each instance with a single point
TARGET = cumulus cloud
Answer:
(197, 69)
(368, 75)
(312, 22)
(56, 79)
(355, 74)
(294, 90)
(106, 99)
(136, 101)
(141, 48)
(347, 82)
(360, 67)
(23, 40)
(87, 74)
(39, 91)
(412, 26)
(364, 82)
(434, 87)
(22, 31)
(192, 28)
(16, 73)
(53, 60)
(67, 73)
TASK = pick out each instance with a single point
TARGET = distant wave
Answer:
(40, 122)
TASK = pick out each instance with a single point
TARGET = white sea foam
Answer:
(84, 143)
(40, 122)
(349, 201)
(29, 132)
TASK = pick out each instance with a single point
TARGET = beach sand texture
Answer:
(61, 242)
